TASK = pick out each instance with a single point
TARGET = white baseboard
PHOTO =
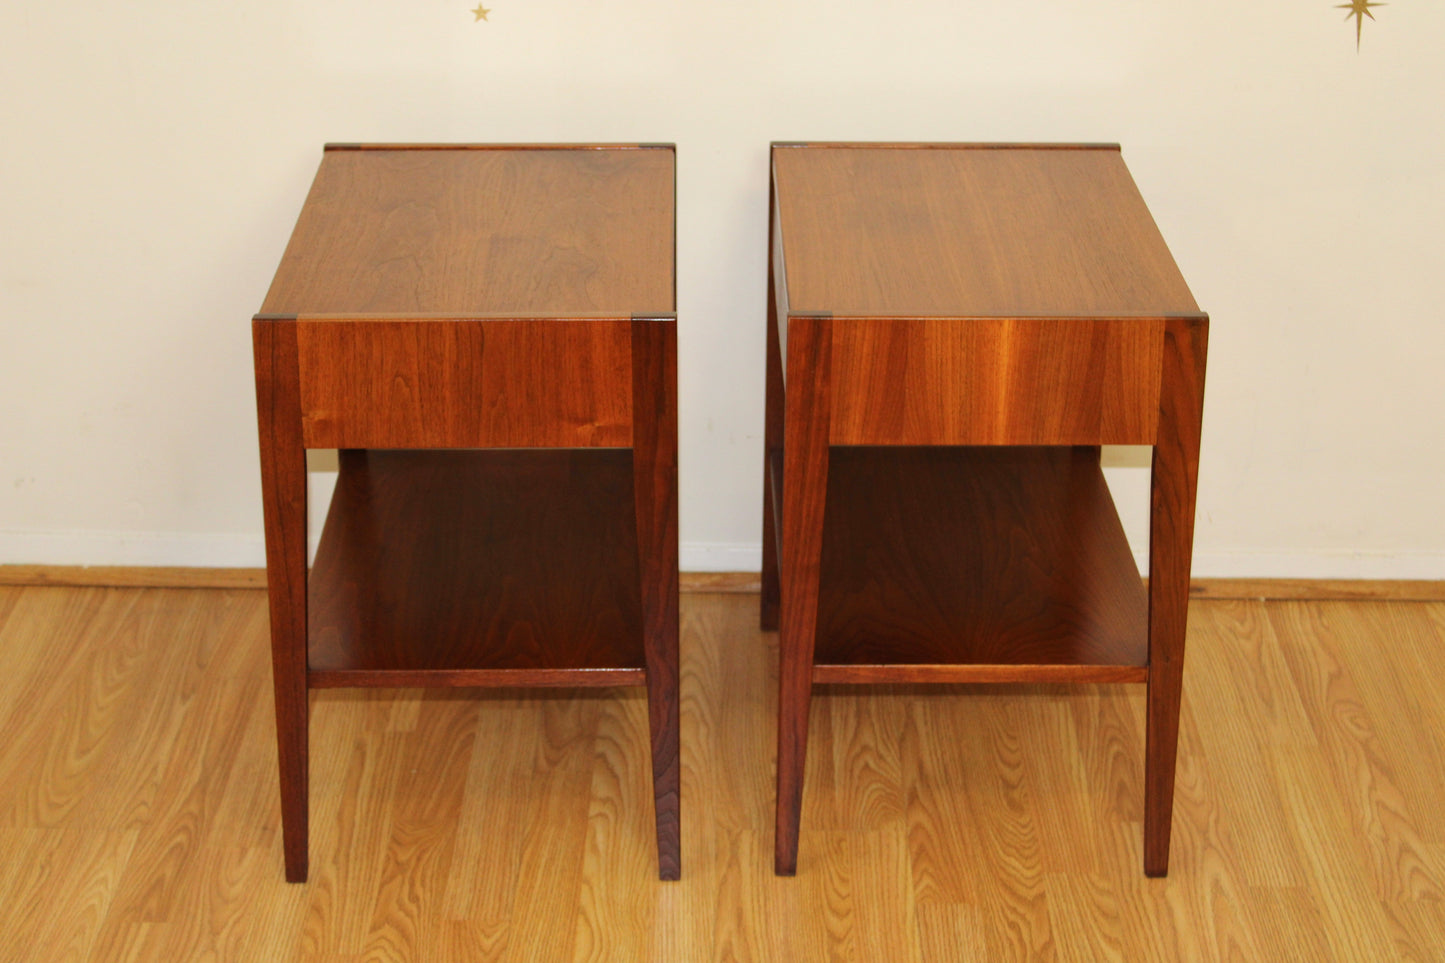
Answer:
(160, 549)
(173, 549)
(1318, 564)
(720, 556)
(1308, 563)
(140, 549)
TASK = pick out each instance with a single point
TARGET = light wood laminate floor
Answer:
(139, 816)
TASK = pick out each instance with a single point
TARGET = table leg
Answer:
(1171, 542)
(283, 492)
(654, 466)
(805, 487)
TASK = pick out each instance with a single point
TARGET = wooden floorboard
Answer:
(139, 816)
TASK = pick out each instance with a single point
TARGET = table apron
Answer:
(996, 381)
(466, 383)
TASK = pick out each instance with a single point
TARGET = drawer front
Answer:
(466, 383)
(996, 381)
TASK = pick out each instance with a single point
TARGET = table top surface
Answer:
(958, 230)
(470, 231)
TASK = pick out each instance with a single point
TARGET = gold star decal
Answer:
(481, 13)
(1359, 9)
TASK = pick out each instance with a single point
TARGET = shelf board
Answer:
(977, 564)
(478, 568)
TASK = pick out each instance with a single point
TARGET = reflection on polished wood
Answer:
(1041, 230)
(394, 230)
(996, 381)
(474, 568)
(497, 383)
(942, 823)
(1003, 564)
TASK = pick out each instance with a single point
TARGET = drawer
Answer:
(995, 381)
(560, 383)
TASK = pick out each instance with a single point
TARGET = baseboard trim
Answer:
(141, 576)
(1318, 589)
(1280, 589)
(133, 576)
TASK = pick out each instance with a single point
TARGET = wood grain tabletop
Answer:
(970, 231)
(469, 231)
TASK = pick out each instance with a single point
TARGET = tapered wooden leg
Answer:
(654, 465)
(283, 493)
(1171, 543)
(772, 444)
(805, 486)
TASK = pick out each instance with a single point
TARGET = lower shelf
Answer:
(478, 568)
(986, 564)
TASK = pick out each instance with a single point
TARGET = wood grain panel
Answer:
(358, 773)
(986, 381)
(984, 557)
(466, 383)
(423, 823)
(1015, 902)
(67, 757)
(554, 830)
(610, 923)
(457, 568)
(964, 232)
(1363, 756)
(510, 726)
(470, 232)
(87, 868)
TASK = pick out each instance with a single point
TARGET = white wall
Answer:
(156, 154)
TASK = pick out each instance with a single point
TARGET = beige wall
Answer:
(155, 155)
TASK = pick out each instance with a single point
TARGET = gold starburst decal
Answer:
(1359, 9)
(481, 13)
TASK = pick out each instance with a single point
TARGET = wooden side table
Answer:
(486, 334)
(953, 330)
